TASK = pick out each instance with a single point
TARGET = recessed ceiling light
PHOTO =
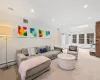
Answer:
(53, 19)
(32, 10)
(89, 17)
(85, 6)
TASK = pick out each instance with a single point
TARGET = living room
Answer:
(43, 34)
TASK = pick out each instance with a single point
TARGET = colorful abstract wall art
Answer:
(47, 33)
(33, 32)
(41, 33)
(22, 31)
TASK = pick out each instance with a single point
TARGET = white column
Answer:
(77, 38)
(63, 39)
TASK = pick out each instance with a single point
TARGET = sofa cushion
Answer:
(25, 51)
(50, 54)
(55, 52)
(47, 54)
(29, 57)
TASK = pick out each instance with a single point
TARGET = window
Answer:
(74, 38)
(81, 38)
(90, 38)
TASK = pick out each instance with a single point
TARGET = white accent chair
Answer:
(73, 50)
(93, 50)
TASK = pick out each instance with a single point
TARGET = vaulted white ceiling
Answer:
(66, 13)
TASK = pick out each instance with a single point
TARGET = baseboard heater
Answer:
(9, 63)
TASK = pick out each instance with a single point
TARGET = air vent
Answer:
(58, 29)
(10, 8)
(25, 21)
(62, 33)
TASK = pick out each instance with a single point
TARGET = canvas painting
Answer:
(47, 33)
(22, 31)
(41, 33)
(33, 32)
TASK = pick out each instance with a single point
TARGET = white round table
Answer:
(66, 61)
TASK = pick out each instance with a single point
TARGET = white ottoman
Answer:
(66, 61)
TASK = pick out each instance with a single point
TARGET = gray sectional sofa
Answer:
(22, 54)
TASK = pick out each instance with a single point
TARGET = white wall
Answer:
(65, 40)
(77, 30)
(57, 38)
(14, 42)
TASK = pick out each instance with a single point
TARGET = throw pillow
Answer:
(41, 51)
(48, 48)
(31, 51)
(52, 48)
(44, 50)
(25, 51)
(36, 50)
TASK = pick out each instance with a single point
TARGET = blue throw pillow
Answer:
(41, 51)
(45, 50)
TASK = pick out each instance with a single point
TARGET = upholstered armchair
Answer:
(73, 50)
(93, 50)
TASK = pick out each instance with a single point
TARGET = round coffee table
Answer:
(66, 61)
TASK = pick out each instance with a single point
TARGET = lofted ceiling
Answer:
(59, 13)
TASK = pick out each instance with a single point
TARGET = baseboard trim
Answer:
(8, 63)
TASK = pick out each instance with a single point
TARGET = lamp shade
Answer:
(6, 31)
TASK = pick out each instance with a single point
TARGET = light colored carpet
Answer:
(87, 68)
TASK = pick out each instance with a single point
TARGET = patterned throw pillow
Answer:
(25, 51)
(31, 51)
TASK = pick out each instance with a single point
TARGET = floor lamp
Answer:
(6, 64)
(5, 32)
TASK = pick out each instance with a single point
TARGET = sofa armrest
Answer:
(21, 57)
(58, 48)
